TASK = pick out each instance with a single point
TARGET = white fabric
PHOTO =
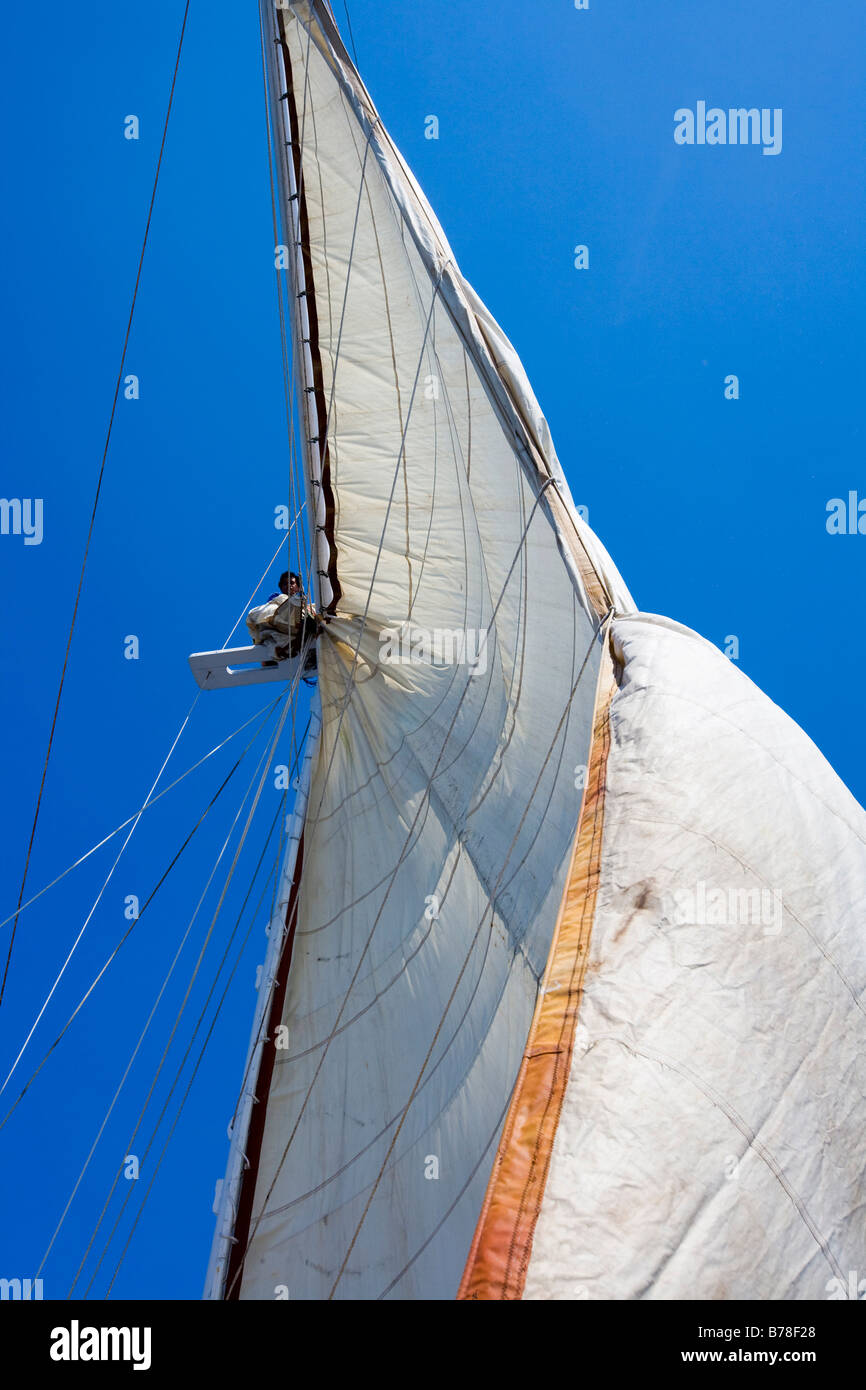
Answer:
(711, 1140)
(440, 786)
(281, 614)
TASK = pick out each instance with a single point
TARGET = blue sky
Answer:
(555, 129)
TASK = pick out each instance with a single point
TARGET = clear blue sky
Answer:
(556, 128)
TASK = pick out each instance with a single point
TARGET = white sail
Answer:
(710, 1098)
(458, 681)
(485, 861)
(711, 1139)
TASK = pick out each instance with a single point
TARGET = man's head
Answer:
(290, 583)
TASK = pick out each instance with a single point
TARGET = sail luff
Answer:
(288, 135)
(278, 928)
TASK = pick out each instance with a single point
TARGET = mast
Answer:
(274, 968)
(287, 129)
(312, 415)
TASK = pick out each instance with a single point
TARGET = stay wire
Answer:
(135, 820)
(297, 517)
(351, 35)
(179, 1070)
(135, 922)
(264, 759)
(276, 882)
(248, 604)
(98, 898)
(95, 500)
(275, 874)
(123, 824)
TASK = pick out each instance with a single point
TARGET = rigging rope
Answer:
(263, 765)
(279, 811)
(351, 35)
(255, 591)
(98, 898)
(150, 799)
(276, 878)
(175, 1121)
(179, 1070)
(123, 824)
(95, 500)
(136, 920)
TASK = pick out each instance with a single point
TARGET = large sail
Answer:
(428, 1106)
(458, 680)
(707, 1141)
(711, 1140)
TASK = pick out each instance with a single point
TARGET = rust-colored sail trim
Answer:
(499, 1257)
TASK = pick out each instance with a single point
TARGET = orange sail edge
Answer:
(499, 1256)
